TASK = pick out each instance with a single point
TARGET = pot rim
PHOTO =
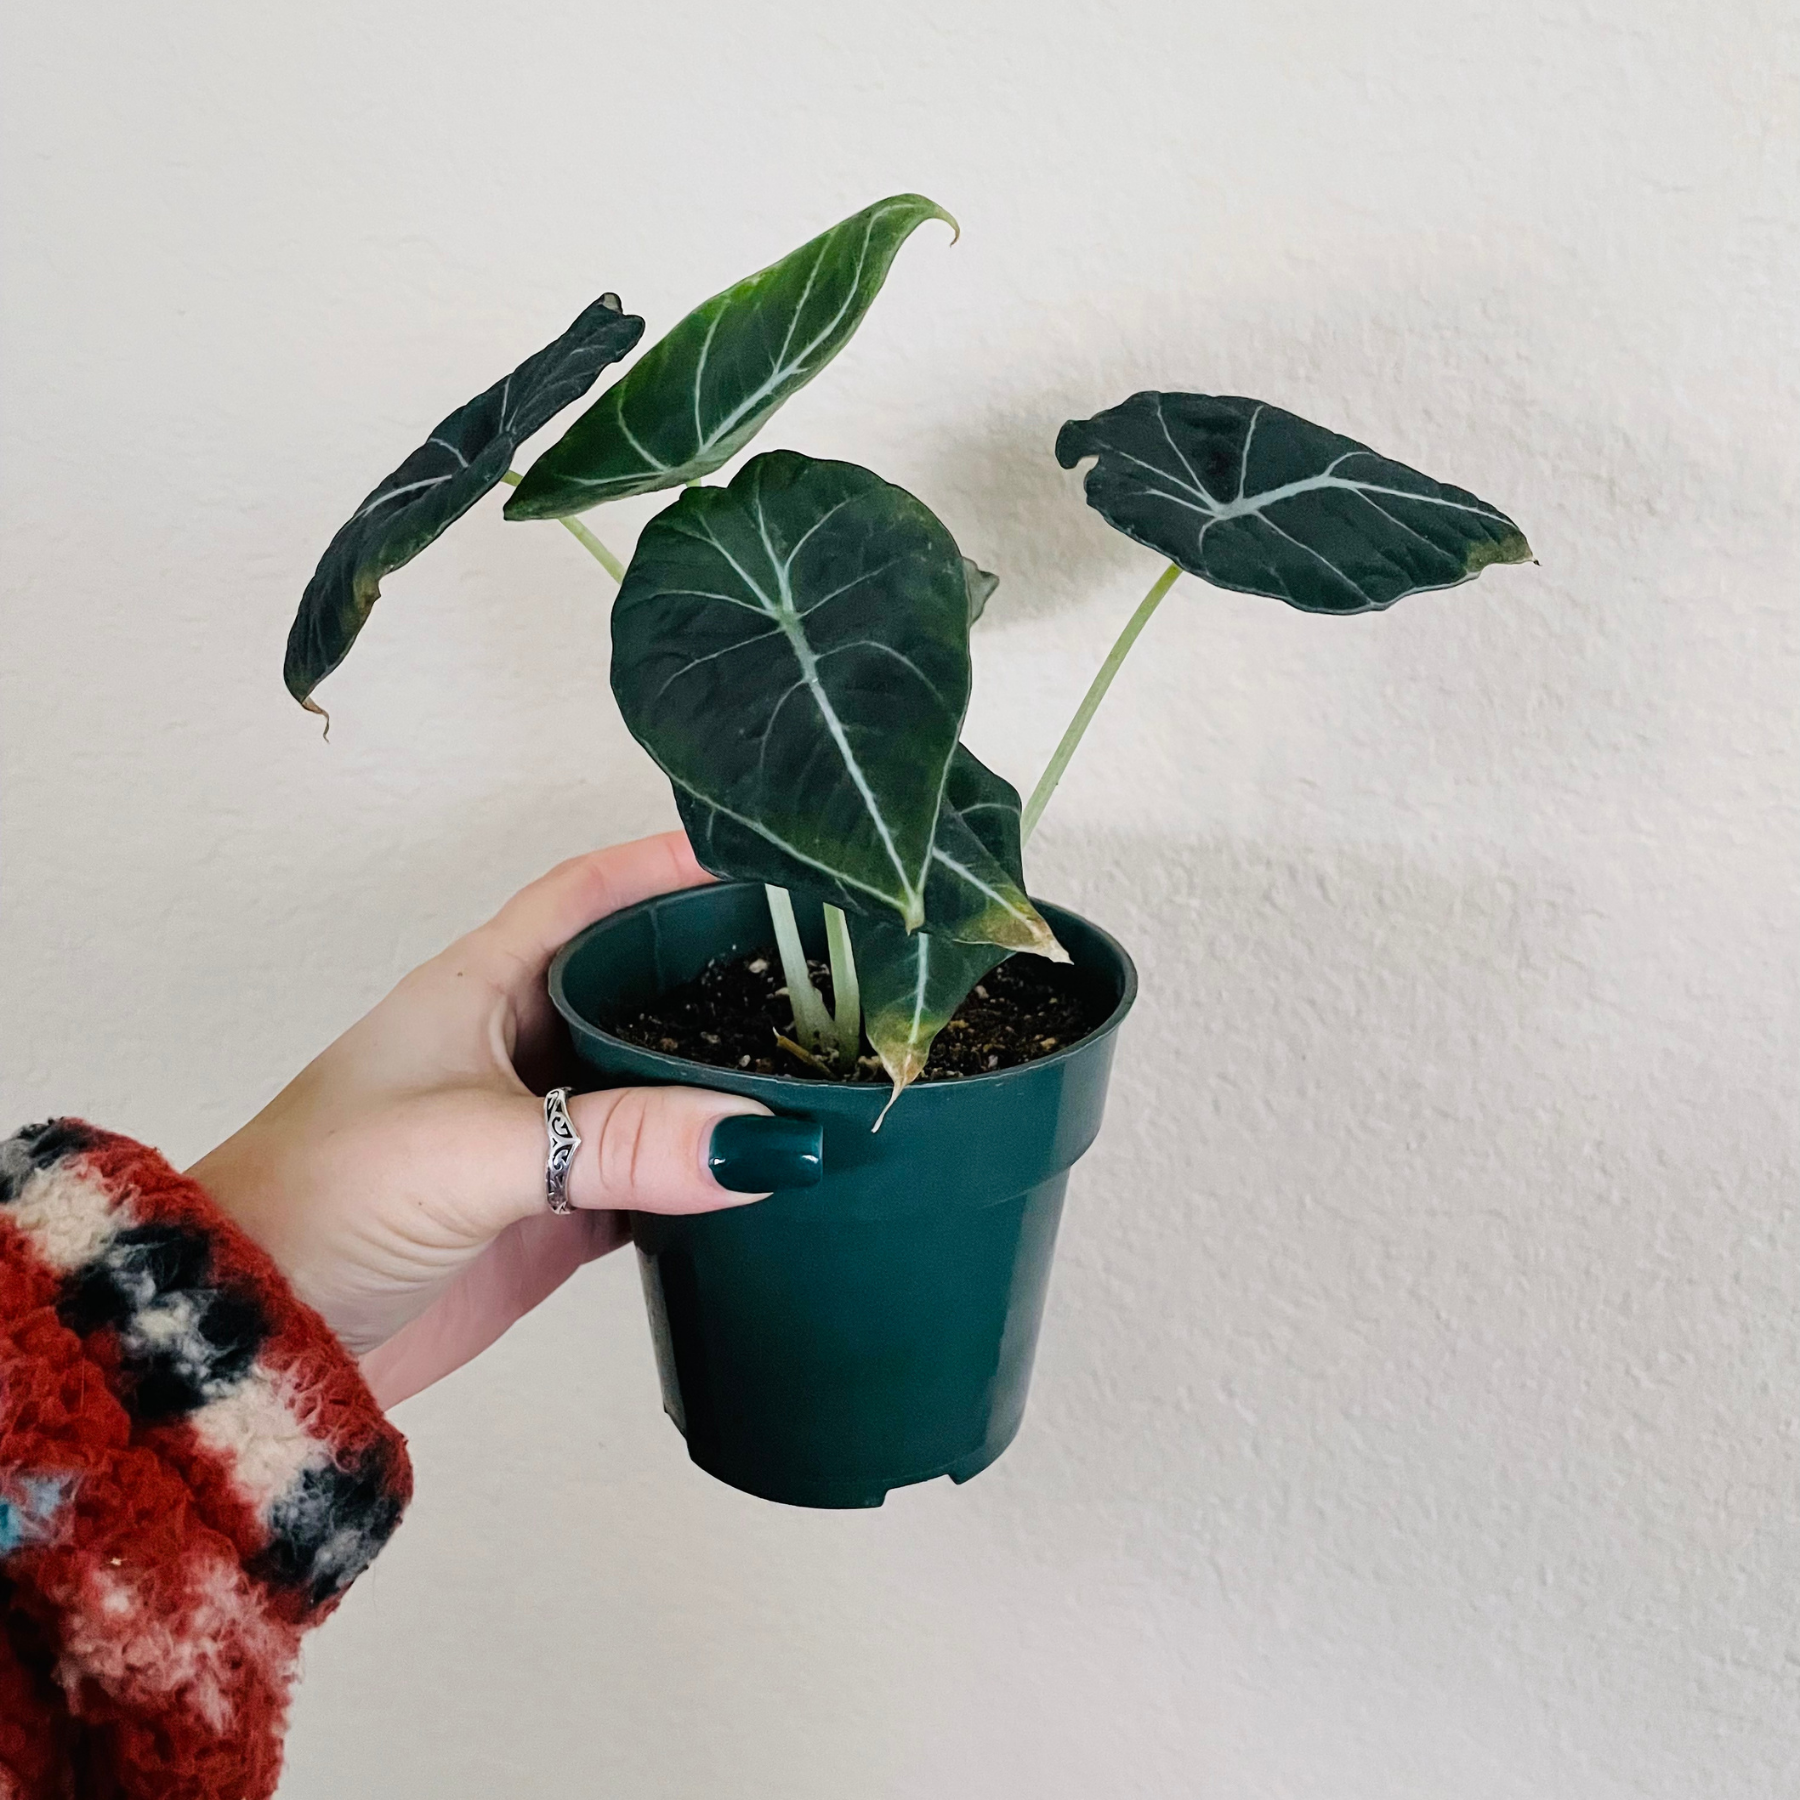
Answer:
(685, 1073)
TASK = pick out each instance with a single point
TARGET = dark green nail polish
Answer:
(752, 1153)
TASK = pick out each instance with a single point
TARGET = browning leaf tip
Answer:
(312, 706)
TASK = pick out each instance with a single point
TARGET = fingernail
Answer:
(752, 1153)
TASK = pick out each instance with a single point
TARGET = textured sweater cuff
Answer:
(191, 1472)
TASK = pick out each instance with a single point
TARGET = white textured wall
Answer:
(1416, 1414)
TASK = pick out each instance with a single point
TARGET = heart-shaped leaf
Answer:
(1250, 497)
(793, 650)
(465, 455)
(912, 983)
(698, 396)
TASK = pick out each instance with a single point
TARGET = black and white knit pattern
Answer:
(191, 1348)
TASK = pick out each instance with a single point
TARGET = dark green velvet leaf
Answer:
(698, 396)
(465, 455)
(976, 892)
(1250, 497)
(793, 650)
(736, 852)
(913, 982)
(972, 895)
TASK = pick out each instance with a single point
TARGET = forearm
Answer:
(191, 1473)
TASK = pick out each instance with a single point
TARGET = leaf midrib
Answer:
(919, 990)
(706, 441)
(782, 371)
(981, 887)
(786, 616)
(1249, 505)
(1244, 505)
(756, 825)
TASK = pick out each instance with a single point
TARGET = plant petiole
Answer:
(1090, 701)
(845, 993)
(580, 533)
(812, 1023)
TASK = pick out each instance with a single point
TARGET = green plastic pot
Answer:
(830, 1343)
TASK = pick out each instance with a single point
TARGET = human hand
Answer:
(398, 1180)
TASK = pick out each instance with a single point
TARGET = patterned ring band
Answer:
(563, 1145)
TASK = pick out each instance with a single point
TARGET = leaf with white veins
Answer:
(970, 895)
(975, 895)
(911, 986)
(697, 397)
(913, 983)
(1249, 497)
(466, 454)
(793, 650)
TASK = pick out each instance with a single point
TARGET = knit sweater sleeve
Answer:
(192, 1472)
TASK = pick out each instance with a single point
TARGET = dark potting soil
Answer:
(731, 1014)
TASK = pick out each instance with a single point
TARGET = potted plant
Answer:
(792, 647)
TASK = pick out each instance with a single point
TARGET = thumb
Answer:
(684, 1150)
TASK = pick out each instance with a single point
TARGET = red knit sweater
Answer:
(191, 1473)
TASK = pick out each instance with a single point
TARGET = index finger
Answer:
(538, 920)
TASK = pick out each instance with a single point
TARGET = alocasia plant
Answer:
(793, 647)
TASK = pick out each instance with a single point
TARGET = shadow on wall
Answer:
(1340, 1132)
(1384, 1250)
(1303, 989)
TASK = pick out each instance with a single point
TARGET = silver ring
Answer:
(563, 1145)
